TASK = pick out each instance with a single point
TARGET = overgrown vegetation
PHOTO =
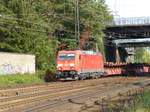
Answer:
(143, 105)
(18, 79)
(132, 101)
(142, 55)
(43, 27)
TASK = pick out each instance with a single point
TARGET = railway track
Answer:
(76, 98)
(44, 96)
(37, 88)
(52, 104)
(52, 93)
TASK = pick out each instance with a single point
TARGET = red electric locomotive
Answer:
(78, 64)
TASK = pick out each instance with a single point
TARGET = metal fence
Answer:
(130, 21)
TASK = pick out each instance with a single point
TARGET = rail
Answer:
(35, 97)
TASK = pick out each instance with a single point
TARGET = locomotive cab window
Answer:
(66, 57)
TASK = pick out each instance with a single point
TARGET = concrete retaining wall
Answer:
(11, 63)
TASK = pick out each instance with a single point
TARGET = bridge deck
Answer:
(125, 33)
(129, 28)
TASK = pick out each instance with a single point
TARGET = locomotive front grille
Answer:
(66, 74)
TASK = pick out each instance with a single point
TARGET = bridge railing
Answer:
(130, 21)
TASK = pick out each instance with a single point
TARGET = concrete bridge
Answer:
(123, 34)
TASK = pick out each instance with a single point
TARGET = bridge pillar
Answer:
(110, 53)
(122, 54)
(130, 54)
(113, 51)
(117, 55)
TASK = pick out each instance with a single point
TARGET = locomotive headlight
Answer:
(72, 64)
(59, 68)
(60, 65)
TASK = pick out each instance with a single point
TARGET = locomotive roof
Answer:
(82, 51)
(89, 52)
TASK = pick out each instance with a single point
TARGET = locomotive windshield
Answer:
(66, 56)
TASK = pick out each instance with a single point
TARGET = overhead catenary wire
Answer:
(11, 17)
(3, 20)
(27, 29)
(34, 30)
(34, 23)
(21, 20)
(77, 19)
(115, 8)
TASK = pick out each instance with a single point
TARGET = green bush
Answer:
(143, 105)
(146, 100)
(49, 76)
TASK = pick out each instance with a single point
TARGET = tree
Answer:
(24, 31)
(43, 27)
(142, 55)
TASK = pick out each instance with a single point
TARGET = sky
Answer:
(129, 8)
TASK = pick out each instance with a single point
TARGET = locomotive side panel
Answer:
(91, 63)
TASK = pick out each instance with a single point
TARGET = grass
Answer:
(19, 79)
(138, 103)
(26, 79)
(143, 105)
(145, 102)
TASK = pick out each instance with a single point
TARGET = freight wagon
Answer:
(79, 65)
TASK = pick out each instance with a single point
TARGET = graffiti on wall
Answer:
(13, 63)
(10, 69)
